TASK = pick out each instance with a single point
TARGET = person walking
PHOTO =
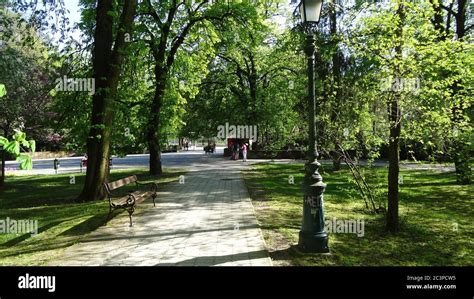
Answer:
(235, 151)
(244, 151)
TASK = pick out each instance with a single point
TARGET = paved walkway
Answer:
(209, 220)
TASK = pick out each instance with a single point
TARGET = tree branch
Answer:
(153, 14)
(449, 9)
(179, 39)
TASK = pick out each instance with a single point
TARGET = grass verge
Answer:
(435, 213)
(49, 199)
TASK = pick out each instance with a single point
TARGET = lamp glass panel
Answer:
(313, 10)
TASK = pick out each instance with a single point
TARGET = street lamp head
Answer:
(310, 11)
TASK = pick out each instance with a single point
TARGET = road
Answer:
(72, 164)
(182, 159)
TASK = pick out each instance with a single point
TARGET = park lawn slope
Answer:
(436, 218)
(61, 222)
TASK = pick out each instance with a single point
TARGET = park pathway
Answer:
(207, 221)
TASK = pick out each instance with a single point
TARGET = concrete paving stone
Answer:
(192, 225)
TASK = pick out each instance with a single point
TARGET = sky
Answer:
(74, 15)
(73, 7)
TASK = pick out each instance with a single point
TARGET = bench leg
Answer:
(130, 212)
(109, 215)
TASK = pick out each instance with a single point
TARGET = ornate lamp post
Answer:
(312, 237)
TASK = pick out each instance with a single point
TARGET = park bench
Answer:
(130, 200)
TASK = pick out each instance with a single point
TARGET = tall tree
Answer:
(107, 58)
(396, 39)
(173, 21)
(253, 80)
(395, 127)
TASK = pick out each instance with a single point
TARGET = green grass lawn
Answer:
(61, 222)
(432, 206)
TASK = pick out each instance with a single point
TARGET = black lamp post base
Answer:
(314, 243)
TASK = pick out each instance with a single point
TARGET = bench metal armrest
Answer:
(153, 189)
(154, 186)
(131, 199)
(109, 195)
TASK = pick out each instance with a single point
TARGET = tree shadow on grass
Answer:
(34, 191)
(38, 248)
(88, 225)
(24, 237)
(428, 184)
(284, 254)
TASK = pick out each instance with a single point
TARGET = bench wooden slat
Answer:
(119, 183)
(141, 196)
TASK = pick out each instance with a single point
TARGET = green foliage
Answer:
(27, 80)
(17, 147)
(12, 147)
(252, 80)
(236, 65)
(3, 141)
(437, 114)
(3, 90)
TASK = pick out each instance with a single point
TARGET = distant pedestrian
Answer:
(244, 151)
(230, 146)
(235, 151)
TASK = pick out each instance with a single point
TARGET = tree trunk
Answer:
(394, 141)
(336, 160)
(461, 19)
(394, 165)
(162, 65)
(164, 53)
(107, 66)
(153, 130)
